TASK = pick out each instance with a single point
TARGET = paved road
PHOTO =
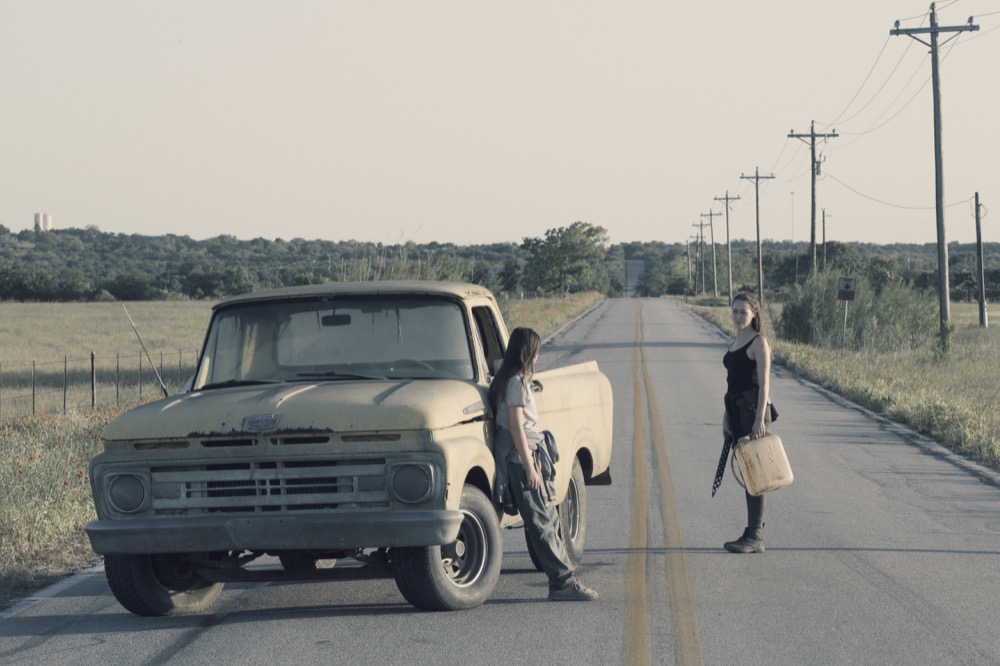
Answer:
(884, 550)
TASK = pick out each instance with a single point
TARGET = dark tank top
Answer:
(742, 370)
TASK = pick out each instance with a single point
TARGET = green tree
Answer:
(568, 260)
(881, 272)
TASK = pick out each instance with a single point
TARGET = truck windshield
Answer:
(336, 339)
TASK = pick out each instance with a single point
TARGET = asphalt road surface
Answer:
(885, 550)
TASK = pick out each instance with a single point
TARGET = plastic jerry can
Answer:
(763, 464)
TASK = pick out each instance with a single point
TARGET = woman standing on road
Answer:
(748, 366)
(517, 438)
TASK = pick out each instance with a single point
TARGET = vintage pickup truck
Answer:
(345, 430)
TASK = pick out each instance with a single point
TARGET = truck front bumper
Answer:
(199, 534)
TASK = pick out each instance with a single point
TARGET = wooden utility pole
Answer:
(690, 283)
(812, 136)
(756, 178)
(824, 240)
(983, 319)
(729, 247)
(701, 252)
(934, 30)
(715, 268)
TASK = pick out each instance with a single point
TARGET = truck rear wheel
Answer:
(458, 575)
(153, 585)
(572, 519)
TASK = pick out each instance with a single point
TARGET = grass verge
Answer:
(45, 498)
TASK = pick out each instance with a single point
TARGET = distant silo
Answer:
(43, 222)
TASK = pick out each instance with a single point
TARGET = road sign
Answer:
(845, 289)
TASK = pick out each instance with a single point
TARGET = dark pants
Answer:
(541, 522)
(741, 414)
(755, 511)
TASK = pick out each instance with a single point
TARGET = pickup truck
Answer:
(345, 430)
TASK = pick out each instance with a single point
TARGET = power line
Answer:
(862, 87)
(887, 203)
(894, 99)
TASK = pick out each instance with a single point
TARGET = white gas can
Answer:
(763, 464)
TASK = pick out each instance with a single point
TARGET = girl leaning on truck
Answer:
(518, 436)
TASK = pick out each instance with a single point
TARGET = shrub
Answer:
(897, 317)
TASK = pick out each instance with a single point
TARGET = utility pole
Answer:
(812, 136)
(756, 178)
(824, 240)
(687, 242)
(793, 216)
(983, 319)
(715, 268)
(933, 31)
(701, 251)
(729, 247)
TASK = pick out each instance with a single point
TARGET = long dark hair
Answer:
(518, 359)
(749, 299)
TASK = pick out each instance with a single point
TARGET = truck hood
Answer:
(345, 406)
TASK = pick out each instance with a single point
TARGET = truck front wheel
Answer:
(153, 585)
(458, 575)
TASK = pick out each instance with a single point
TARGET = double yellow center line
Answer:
(683, 621)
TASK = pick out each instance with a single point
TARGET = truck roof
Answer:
(461, 290)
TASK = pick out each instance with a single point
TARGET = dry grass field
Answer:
(45, 352)
(45, 497)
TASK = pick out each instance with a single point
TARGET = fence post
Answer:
(93, 381)
(32, 387)
(1, 391)
(65, 381)
(118, 378)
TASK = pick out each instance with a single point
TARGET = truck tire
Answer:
(458, 575)
(156, 585)
(572, 519)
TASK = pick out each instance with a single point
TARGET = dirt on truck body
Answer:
(344, 429)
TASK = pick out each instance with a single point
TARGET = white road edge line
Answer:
(52, 590)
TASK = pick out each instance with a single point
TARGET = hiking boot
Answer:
(574, 590)
(752, 541)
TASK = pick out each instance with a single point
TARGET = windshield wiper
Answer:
(238, 382)
(333, 374)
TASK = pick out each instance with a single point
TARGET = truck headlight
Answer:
(412, 483)
(127, 493)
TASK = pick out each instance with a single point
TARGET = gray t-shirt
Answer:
(518, 394)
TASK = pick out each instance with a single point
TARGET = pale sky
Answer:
(472, 122)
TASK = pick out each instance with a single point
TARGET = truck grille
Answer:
(254, 487)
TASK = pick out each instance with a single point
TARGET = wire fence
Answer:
(75, 384)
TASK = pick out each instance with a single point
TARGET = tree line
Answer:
(91, 265)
